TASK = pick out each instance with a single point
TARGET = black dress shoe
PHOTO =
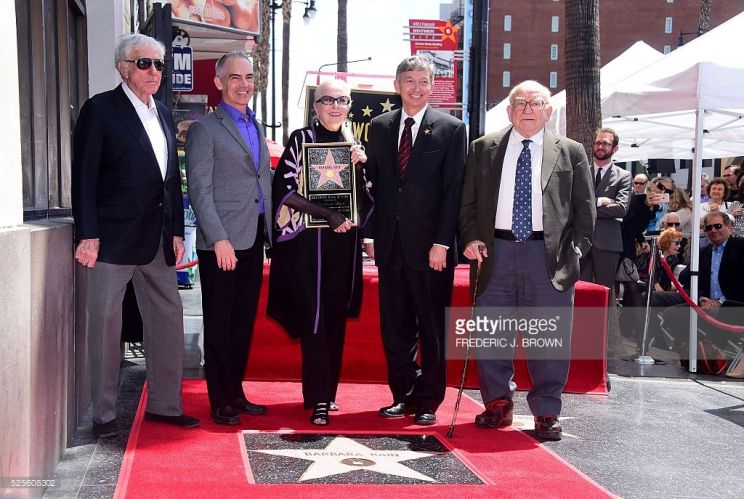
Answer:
(226, 415)
(548, 428)
(183, 420)
(425, 417)
(246, 407)
(397, 410)
(105, 430)
(498, 413)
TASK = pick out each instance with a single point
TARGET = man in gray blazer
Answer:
(229, 178)
(526, 217)
(612, 186)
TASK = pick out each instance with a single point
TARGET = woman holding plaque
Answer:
(316, 273)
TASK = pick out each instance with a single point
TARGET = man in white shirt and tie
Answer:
(526, 217)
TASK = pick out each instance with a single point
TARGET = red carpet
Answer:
(164, 461)
(275, 356)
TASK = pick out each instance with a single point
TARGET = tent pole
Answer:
(697, 168)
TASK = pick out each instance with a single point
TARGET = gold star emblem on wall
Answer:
(366, 111)
(387, 105)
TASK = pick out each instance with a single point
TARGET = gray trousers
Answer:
(520, 279)
(156, 287)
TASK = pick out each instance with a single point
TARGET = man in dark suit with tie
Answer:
(612, 187)
(229, 177)
(527, 216)
(415, 162)
(126, 200)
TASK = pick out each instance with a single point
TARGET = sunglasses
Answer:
(327, 100)
(710, 227)
(661, 187)
(640, 183)
(144, 63)
(677, 242)
(673, 224)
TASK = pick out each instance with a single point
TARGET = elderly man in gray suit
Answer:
(612, 186)
(229, 178)
(526, 217)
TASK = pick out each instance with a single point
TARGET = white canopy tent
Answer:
(693, 99)
(638, 56)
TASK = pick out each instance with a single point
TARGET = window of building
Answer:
(668, 25)
(53, 85)
(555, 24)
(667, 49)
(554, 52)
(507, 51)
(507, 22)
(506, 79)
(553, 79)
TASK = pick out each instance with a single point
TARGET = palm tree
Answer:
(342, 38)
(286, 17)
(260, 56)
(583, 100)
(703, 25)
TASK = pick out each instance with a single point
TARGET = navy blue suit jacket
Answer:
(118, 192)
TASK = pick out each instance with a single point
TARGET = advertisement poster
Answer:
(239, 16)
(437, 41)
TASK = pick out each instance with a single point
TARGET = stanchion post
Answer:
(645, 359)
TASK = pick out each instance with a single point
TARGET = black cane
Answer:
(451, 429)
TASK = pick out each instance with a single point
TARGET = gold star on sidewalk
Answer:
(366, 111)
(387, 105)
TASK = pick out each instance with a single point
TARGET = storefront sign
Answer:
(183, 69)
(240, 16)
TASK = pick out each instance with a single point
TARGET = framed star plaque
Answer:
(329, 180)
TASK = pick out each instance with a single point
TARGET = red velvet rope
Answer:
(187, 265)
(700, 311)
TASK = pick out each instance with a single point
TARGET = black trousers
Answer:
(229, 303)
(322, 346)
(412, 306)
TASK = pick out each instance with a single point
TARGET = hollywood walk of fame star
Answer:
(366, 111)
(344, 455)
(329, 171)
(387, 105)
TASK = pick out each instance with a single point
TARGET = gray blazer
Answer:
(568, 204)
(615, 184)
(223, 182)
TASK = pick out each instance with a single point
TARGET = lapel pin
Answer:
(427, 131)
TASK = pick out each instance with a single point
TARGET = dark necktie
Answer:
(404, 150)
(597, 179)
(522, 209)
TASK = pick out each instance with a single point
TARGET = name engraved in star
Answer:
(329, 180)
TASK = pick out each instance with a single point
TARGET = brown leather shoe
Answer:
(548, 428)
(498, 413)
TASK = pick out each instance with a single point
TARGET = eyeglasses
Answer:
(327, 100)
(144, 63)
(672, 224)
(677, 242)
(710, 227)
(521, 104)
(661, 187)
(729, 175)
(604, 144)
(640, 183)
